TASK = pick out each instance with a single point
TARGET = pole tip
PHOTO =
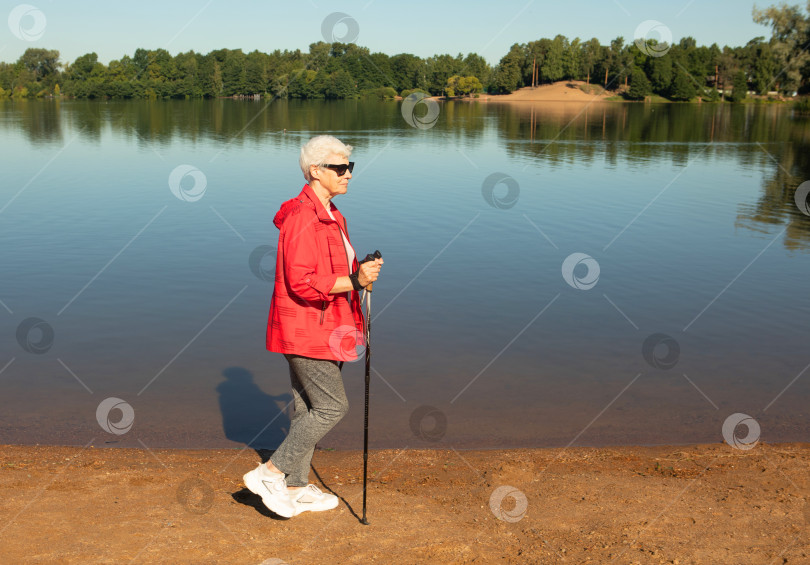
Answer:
(364, 521)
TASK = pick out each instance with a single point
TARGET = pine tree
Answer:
(683, 88)
(740, 87)
(640, 86)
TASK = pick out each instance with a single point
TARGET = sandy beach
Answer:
(562, 91)
(704, 504)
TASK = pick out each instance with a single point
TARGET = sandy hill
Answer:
(563, 91)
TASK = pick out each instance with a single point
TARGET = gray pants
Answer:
(320, 403)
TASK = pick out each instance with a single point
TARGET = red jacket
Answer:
(304, 318)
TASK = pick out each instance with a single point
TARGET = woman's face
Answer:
(329, 178)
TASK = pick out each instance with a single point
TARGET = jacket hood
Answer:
(293, 206)
(287, 208)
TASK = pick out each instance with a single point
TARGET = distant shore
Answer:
(684, 504)
(578, 92)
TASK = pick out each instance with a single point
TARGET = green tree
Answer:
(683, 87)
(571, 59)
(301, 84)
(140, 59)
(160, 73)
(790, 41)
(450, 87)
(119, 79)
(233, 73)
(700, 59)
(640, 86)
(320, 52)
(208, 82)
(614, 64)
(763, 65)
(84, 78)
(462, 86)
(340, 85)
(621, 63)
(367, 70)
(728, 64)
(44, 63)
(96, 83)
(475, 65)
(553, 68)
(407, 71)
(380, 72)
(589, 58)
(6, 76)
(216, 80)
(740, 88)
(186, 67)
(659, 71)
(83, 66)
(255, 73)
(533, 52)
(470, 85)
(507, 75)
(439, 69)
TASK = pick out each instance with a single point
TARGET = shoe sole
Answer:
(255, 486)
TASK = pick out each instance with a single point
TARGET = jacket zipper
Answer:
(323, 310)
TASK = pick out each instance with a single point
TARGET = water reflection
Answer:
(776, 205)
(641, 132)
(41, 123)
(767, 138)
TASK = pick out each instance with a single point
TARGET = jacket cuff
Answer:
(323, 285)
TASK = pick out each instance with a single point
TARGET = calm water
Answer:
(686, 215)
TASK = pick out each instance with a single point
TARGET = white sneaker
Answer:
(272, 488)
(312, 498)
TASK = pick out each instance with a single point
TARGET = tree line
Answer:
(681, 71)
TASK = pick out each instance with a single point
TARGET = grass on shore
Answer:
(592, 89)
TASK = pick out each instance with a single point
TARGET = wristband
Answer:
(355, 281)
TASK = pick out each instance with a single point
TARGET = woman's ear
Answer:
(314, 172)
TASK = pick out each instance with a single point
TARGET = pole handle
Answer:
(370, 257)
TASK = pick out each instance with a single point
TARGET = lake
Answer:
(557, 274)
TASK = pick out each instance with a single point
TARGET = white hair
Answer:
(318, 149)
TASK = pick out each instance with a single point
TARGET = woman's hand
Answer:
(369, 271)
(366, 274)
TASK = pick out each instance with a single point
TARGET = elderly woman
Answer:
(315, 321)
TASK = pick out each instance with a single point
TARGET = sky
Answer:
(113, 29)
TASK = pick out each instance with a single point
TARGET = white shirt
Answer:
(346, 244)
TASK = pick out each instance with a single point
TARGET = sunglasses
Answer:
(340, 169)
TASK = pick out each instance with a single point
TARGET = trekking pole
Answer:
(367, 297)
